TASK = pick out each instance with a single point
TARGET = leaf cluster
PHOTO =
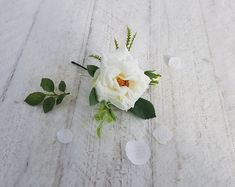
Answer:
(153, 76)
(48, 98)
(104, 114)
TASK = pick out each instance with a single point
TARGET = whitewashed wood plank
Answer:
(201, 153)
(104, 163)
(30, 156)
(17, 18)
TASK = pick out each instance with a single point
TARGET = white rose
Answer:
(119, 80)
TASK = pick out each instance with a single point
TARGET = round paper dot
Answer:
(162, 134)
(138, 152)
(175, 63)
(64, 136)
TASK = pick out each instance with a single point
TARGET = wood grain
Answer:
(39, 39)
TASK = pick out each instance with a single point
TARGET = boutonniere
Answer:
(119, 82)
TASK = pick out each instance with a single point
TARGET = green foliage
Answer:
(97, 57)
(92, 69)
(48, 99)
(93, 97)
(35, 98)
(130, 39)
(62, 86)
(104, 114)
(143, 109)
(47, 85)
(153, 76)
(48, 104)
(59, 99)
(116, 43)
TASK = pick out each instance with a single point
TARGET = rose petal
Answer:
(162, 134)
(64, 135)
(138, 152)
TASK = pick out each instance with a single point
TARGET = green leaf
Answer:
(100, 115)
(116, 43)
(93, 98)
(60, 99)
(92, 69)
(62, 86)
(35, 98)
(143, 109)
(99, 130)
(97, 57)
(48, 104)
(128, 38)
(153, 77)
(47, 85)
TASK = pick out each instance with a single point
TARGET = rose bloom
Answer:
(120, 80)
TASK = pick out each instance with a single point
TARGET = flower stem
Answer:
(55, 94)
(78, 65)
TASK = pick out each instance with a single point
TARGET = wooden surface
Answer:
(39, 38)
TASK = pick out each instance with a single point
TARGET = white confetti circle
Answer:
(175, 63)
(138, 152)
(64, 135)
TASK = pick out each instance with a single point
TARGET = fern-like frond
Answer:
(116, 43)
(128, 39)
(97, 57)
(132, 40)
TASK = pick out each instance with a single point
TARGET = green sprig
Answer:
(97, 57)
(50, 97)
(153, 77)
(116, 43)
(104, 114)
(130, 39)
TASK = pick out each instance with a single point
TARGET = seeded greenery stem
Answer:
(132, 41)
(97, 57)
(116, 43)
(50, 97)
(128, 39)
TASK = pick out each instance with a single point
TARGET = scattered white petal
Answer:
(64, 135)
(175, 63)
(138, 152)
(162, 134)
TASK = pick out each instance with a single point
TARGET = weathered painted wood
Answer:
(39, 39)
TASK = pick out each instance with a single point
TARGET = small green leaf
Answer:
(92, 69)
(99, 130)
(143, 109)
(62, 86)
(100, 115)
(60, 99)
(47, 85)
(93, 98)
(35, 98)
(48, 104)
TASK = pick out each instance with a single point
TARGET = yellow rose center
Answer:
(122, 82)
